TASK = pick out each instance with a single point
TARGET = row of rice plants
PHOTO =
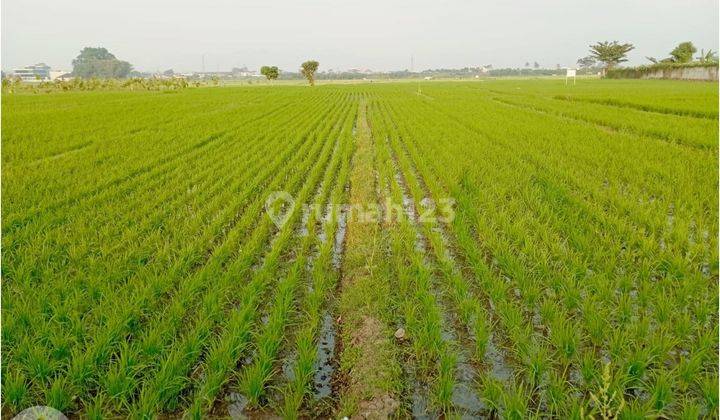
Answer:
(267, 340)
(512, 399)
(468, 311)
(162, 392)
(295, 391)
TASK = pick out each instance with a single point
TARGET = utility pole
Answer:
(412, 63)
(203, 63)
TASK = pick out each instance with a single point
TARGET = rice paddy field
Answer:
(499, 248)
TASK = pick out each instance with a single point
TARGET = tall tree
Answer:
(270, 72)
(100, 63)
(683, 53)
(308, 70)
(610, 53)
(536, 65)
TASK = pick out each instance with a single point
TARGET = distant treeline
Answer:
(463, 73)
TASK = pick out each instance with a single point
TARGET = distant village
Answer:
(41, 72)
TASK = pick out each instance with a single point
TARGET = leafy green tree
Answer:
(270, 72)
(683, 53)
(99, 63)
(308, 70)
(610, 53)
(586, 62)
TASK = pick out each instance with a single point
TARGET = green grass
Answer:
(578, 275)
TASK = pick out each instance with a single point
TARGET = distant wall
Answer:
(692, 71)
(684, 73)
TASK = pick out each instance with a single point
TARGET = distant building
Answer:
(360, 71)
(64, 77)
(37, 72)
(60, 75)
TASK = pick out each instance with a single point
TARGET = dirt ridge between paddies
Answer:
(369, 368)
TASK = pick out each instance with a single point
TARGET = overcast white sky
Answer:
(376, 34)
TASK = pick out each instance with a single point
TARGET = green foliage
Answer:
(683, 53)
(308, 69)
(99, 63)
(640, 71)
(610, 53)
(95, 84)
(270, 72)
(708, 57)
(587, 62)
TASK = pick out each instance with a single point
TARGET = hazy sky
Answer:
(376, 34)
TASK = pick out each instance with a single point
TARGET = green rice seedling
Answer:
(688, 369)
(537, 361)
(15, 390)
(565, 339)
(709, 389)
(95, 410)
(637, 364)
(589, 368)
(39, 365)
(596, 324)
(515, 403)
(492, 392)
(575, 410)
(682, 326)
(637, 410)
(689, 410)
(483, 333)
(554, 393)
(661, 391)
(443, 389)
(59, 395)
(120, 380)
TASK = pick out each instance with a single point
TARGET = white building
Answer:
(35, 73)
(59, 74)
